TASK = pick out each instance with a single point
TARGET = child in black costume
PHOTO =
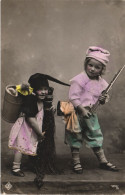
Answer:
(33, 132)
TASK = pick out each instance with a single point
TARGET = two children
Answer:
(86, 88)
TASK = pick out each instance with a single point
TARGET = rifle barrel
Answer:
(95, 106)
(114, 79)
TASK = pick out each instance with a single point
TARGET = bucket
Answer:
(11, 105)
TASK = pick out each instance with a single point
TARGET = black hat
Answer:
(37, 80)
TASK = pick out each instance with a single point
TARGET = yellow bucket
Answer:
(11, 105)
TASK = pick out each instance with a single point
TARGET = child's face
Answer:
(94, 68)
(42, 92)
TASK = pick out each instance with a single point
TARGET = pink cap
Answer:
(98, 53)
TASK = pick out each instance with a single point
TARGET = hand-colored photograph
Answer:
(62, 97)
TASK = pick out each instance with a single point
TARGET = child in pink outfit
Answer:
(30, 129)
(27, 130)
(86, 88)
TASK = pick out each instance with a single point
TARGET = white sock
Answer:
(16, 166)
(101, 156)
(76, 159)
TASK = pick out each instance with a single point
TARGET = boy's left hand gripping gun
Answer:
(95, 106)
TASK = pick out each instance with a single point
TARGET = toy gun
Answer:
(95, 106)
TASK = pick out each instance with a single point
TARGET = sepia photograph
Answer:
(63, 97)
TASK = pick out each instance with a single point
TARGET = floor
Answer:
(93, 180)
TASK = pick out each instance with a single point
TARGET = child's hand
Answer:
(53, 109)
(43, 134)
(83, 112)
(103, 98)
(41, 137)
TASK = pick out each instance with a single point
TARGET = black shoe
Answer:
(78, 170)
(18, 173)
(108, 166)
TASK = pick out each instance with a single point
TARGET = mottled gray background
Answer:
(52, 36)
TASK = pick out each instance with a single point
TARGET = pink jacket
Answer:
(85, 91)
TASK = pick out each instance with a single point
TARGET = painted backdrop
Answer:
(52, 36)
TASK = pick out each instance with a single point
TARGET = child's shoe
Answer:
(77, 168)
(108, 166)
(18, 173)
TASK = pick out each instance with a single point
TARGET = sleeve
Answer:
(104, 84)
(75, 93)
(29, 107)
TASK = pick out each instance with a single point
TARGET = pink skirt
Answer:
(22, 136)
